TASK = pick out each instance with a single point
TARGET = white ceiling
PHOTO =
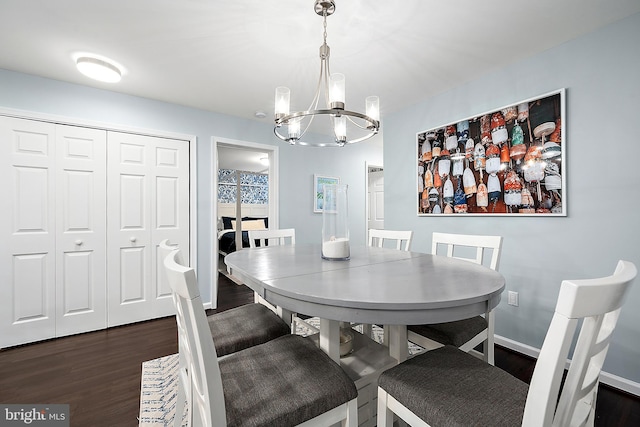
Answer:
(242, 159)
(228, 56)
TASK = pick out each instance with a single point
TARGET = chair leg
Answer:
(488, 346)
(385, 335)
(385, 415)
(367, 329)
(352, 414)
(180, 401)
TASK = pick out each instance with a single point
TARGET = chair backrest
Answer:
(597, 303)
(207, 400)
(164, 250)
(378, 237)
(462, 241)
(273, 237)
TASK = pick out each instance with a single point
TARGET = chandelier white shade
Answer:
(346, 126)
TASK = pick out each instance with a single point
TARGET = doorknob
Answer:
(132, 239)
(78, 242)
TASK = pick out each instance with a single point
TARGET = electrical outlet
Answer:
(513, 298)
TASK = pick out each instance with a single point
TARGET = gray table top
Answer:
(376, 285)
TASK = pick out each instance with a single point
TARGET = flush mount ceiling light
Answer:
(348, 126)
(98, 69)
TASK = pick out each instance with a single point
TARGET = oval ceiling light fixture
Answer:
(99, 69)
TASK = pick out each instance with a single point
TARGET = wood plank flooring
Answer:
(98, 373)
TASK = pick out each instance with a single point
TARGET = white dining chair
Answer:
(240, 327)
(283, 236)
(285, 382)
(276, 237)
(183, 391)
(450, 387)
(465, 334)
(272, 237)
(401, 239)
(235, 329)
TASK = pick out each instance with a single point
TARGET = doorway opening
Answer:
(245, 185)
(375, 197)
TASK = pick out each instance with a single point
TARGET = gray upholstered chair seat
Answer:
(448, 387)
(282, 383)
(245, 326)
(452, 333)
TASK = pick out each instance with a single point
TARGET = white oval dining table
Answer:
(375, 286)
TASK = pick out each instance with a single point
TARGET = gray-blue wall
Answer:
(601, 74)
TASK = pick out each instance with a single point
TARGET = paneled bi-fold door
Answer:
(83, 212)
(148, 201)
(52, 230)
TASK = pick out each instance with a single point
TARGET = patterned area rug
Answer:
(158, 390)
(159, 384)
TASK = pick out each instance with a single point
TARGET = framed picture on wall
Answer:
(509, 161)
(318, 182)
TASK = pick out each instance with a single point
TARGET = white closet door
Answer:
(27, 231)
(81, 293)
(148, 201)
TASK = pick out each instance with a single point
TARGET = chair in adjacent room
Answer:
(284, 382)
(447, 386)
(465, 334)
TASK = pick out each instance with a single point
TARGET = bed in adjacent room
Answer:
(227, 235)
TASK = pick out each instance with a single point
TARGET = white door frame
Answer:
(274, 219)
(367, 166)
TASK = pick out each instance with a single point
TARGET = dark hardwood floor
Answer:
(98, 373)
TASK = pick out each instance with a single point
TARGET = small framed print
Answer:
(318, 182)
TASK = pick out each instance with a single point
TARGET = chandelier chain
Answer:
(324, 17)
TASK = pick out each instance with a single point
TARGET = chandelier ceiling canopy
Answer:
(347, 126)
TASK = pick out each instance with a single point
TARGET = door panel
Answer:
(81, 300)
(27, 252)
(132, 278)
(77, 296)
(149, 184)
(171, 208)
(30, 293)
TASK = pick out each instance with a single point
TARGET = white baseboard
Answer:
(620, 383)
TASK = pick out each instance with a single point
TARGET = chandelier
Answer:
(348, 126)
